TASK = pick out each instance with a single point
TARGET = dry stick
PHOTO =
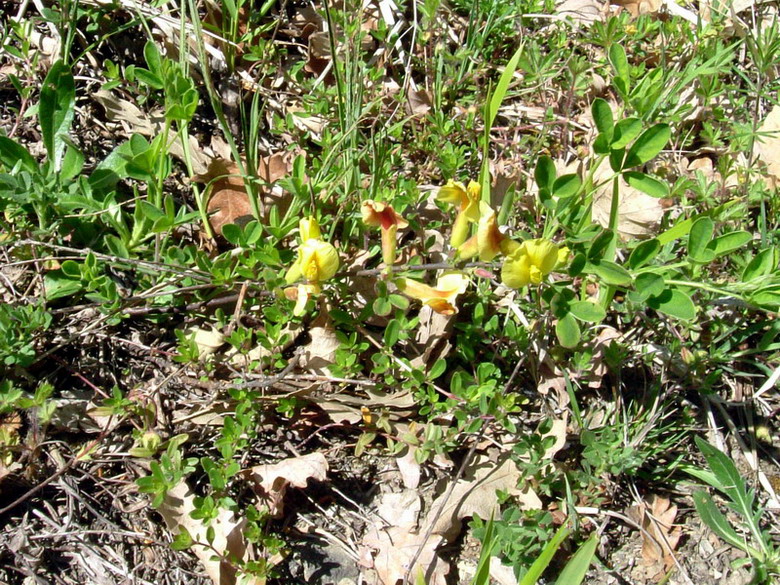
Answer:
(458, 476)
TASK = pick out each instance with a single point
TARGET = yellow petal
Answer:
(294, 272)
(460, 230)
(318, 260)
(516, 271)
(489, 237)
(309, 229)
(442, 306)
(381, 214)
(441, 298)
(543, 254)
(453, 192)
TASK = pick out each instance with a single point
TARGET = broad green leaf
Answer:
(153, 59)
(646, 184)
(768, 297)
(72, 163)
(12, 153)
(729, 242)
(587, 311)
(610, 272)
(617, 58)
(55, 111)
(698, 239)
(648, 145)
(602, 116)
(392, 332)
(648, 285)
(568, 331)
(545, 173)
(601, 244)
(763, 263)
(717, 522)
(57, 285)
(644, 253)
(574, 571)
(616, 157)
(566, 186)
(675, 303)
(625, 131)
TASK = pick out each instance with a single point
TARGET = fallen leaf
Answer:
(599, 346)
(409, 468)
(390, 544)
(207, 340)
(320, 352)
(228, 201)
(583, 12)
(399, 535)
(659, 535)
(767, 146)
(475, 494)
(272, 480)
(229, 540)
(639, 7)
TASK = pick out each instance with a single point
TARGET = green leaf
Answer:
(153, 59)
(55, 111)
(587, 311)
(545, 557)
(602, 116)
(610, 272)
(717, 522)
(502, 86)
(648, 145)
(617, 58)
(646, 184)
(489, 543)
(438, 368)
(568, 331)
(600, 244)
(574, 571)
(729, 242)
(647, 285)
(72, 163)
(545, 173)
(644, 253)
(675, 303)
(768, 297)
(566, 186)
(12, 153)
(763, 263)
(392, 332)
(382, 306)
(625, 131)
(58, 285)
(698, 239)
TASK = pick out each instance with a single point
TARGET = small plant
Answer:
(745, 533)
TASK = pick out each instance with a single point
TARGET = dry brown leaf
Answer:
(475, 493)
(599, 345)
(228, 201)
(584, 12)
(767, 146)
(639, 214)
(396, 539)
(639, 7)
(229, 539)
(320, 352)
(272, 480)
(659, 536)
(390, 544)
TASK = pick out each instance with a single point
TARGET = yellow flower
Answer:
(530, 263)
(317, 260)
(384, 216)
(440, 298)
(467, 201)
(489, 241)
